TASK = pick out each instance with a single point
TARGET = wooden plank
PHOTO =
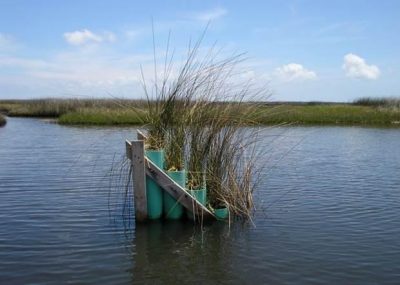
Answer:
(141, 136)
(176, 191)
(128, 147)
(139, 180)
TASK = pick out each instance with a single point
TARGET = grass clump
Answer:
(230, 170)
(196, 116)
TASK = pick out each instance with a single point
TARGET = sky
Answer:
(302, 50)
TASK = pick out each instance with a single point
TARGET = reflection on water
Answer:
(328, 199)
(177, 251)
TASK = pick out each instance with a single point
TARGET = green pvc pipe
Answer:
(172, 208)
(201, 196)
(153, 190)
(221, 213)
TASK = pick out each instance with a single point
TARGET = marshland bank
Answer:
(363, 112)
(2, 120)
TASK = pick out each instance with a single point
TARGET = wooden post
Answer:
(139, 180)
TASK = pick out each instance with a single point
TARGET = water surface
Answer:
(329, 213)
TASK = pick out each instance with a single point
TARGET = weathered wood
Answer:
(176, 191)
(141, 136)
(128, 147)
(139, 180)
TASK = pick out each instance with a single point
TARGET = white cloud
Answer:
(109, 37)
(83, 71)
(86, 36)
(24, 63)
(294, 71)
(211, 15)
(356, 67)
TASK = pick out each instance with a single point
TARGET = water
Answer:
(329, 213)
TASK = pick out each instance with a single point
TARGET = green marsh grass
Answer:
(103, 117)
(3, 120)
(389, 102)
(328, 114)
(54, 108)
(134, 112)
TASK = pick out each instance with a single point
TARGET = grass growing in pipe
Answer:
(197, 117)
(214, 144)
(230, 171)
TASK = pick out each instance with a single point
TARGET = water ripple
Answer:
(329, 213)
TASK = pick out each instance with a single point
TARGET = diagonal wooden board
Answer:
(141, 136)
(176, 191)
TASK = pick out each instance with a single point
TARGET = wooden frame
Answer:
(143, 167)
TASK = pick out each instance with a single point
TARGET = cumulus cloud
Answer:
(294, 71)
(88, 72)
(15, 62)
(355, 66)
(210, 15)
(109, 37)
(85, 36)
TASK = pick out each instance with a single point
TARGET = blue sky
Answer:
(304, 50)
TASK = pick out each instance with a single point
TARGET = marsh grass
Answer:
(135, 112)
(54, 107)
(230, 168)
(197, 116)
(3, 120)
(103, 117)
(328, 114)
(388, 102)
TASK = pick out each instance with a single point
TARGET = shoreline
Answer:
(3, 120)
(106, 112)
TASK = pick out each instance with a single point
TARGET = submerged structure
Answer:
(158, 194)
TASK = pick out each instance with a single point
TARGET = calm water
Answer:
(329, 213)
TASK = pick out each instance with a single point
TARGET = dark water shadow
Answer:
(160, 249)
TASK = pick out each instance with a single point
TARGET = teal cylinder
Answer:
(221, 213)
(157, 157)
(172, 208)
(201, 196)
(153, 190)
